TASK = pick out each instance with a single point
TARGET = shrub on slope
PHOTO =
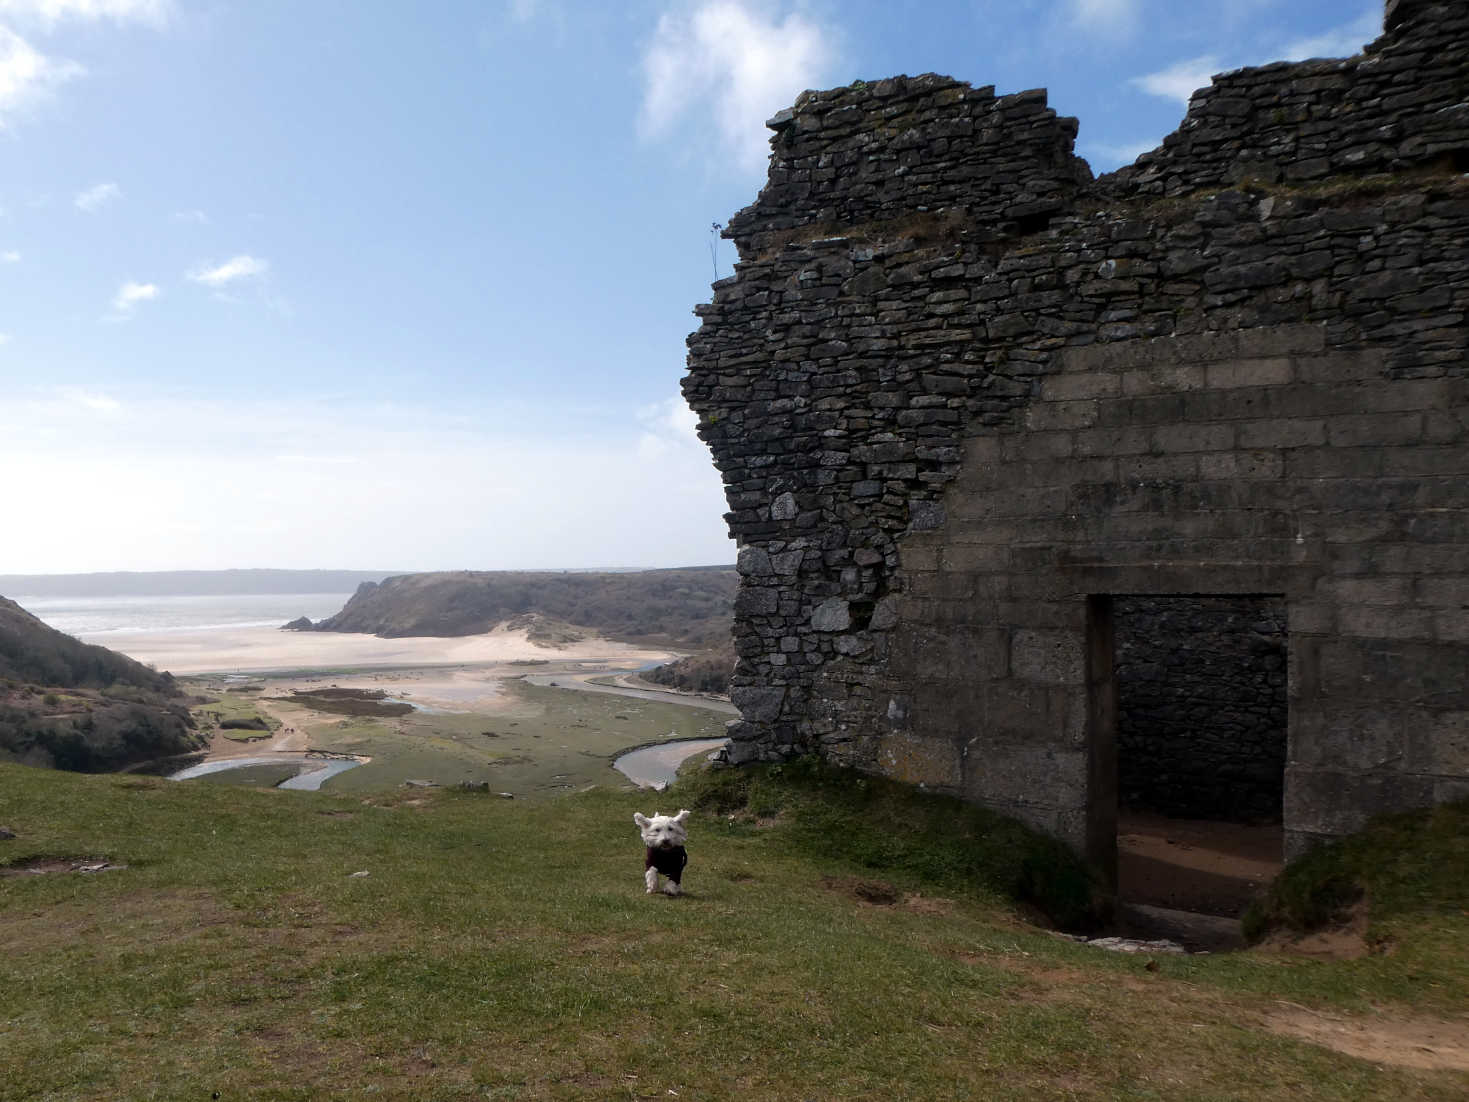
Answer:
(33, 651)
(708, 672)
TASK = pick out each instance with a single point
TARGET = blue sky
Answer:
(405, 285)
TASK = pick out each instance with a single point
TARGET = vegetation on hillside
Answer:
(32, 651)
(690, 608)
(706, 672)
(1401, 866)
(70, 705)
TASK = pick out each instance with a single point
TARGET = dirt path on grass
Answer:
(1433, 1044)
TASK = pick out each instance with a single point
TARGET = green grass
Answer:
(889, 827)
(502, 949)
(253, 776)
(1408, 866)
(234, 706)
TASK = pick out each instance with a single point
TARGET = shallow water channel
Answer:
(657, 766)
(313, 771)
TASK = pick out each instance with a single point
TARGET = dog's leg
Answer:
(650, 878)
(672, 888)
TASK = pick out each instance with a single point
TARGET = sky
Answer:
(404, 284)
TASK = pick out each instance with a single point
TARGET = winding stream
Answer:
(312, 773)
(657, 766)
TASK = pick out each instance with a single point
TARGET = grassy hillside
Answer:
(443, 945)
(690, 608)
(71, 705)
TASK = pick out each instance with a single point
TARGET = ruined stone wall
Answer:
(1201, 706)
(958, 391)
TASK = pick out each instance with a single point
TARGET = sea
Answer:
(100, 618)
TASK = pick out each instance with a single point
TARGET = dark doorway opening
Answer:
(1198, 709)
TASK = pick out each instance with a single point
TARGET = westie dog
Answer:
(664, 835)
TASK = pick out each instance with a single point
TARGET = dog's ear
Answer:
(639, 818)
(681, 816)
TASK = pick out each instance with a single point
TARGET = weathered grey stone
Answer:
(884, 614)
(832, 615)
(1052, 657)
(757, 704)
(754, 562)
(784, 507)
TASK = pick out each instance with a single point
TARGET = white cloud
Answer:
(198, 217)
(1343, 41)
(222, 275)
(525, 11)
(93, 400)
(10, 256)
(1107, 157)
(668, 426)
(1104, 15)
(5, 338)
(1181, 80)
(96, 197)
(27, 75)
(734, 60)
(127, 298)
(191, 485)
(51, 12)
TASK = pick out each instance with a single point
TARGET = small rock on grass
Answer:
(1135, 945)
(6, 834)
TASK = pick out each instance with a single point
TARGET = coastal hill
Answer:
(690, 608)
(72, 705)
(194, 583)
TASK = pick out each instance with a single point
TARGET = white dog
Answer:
(664, 835)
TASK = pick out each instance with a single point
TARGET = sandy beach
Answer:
(256, 650)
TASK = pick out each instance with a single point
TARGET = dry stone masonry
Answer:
(967, 400)
(1201, 706)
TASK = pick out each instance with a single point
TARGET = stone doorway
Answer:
(1189, 719)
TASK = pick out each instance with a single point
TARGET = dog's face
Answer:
(662, 831)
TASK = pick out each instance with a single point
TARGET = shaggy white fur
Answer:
(664, 835)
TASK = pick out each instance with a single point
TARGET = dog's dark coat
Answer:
(669, 862)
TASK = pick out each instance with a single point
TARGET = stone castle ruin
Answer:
(1058, 493)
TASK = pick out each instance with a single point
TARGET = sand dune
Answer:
(231, 650)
